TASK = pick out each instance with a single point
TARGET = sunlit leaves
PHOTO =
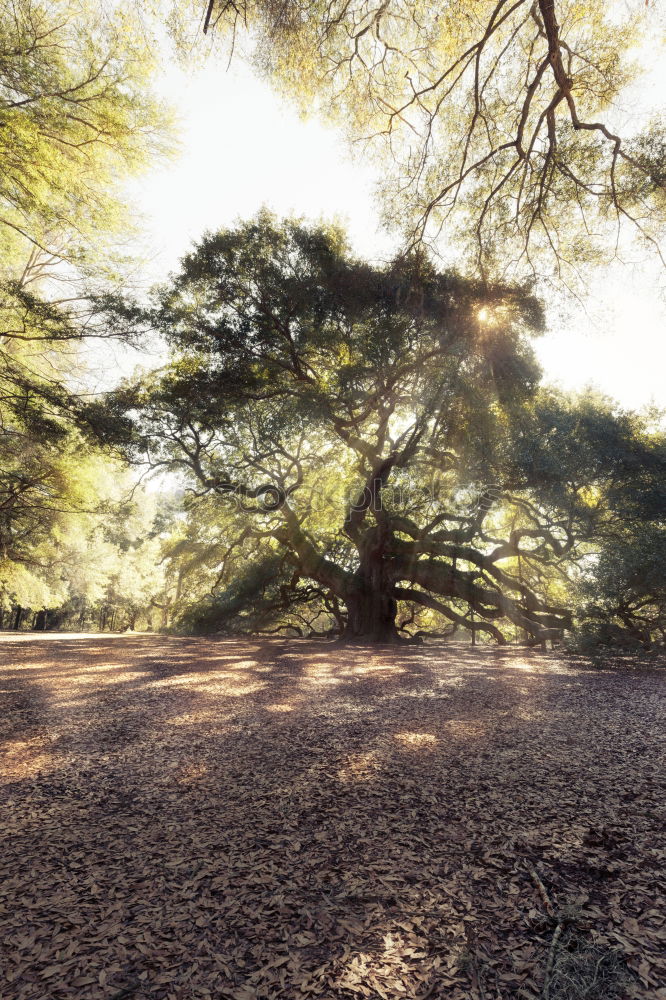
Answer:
(495, 124)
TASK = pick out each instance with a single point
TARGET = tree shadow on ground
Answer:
(273, 818)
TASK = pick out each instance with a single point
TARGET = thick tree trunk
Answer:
(17, 619)
(371, 606)
(371, 615)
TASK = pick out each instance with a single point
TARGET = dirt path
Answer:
(187, 818)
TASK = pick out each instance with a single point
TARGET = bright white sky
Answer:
(244, 147)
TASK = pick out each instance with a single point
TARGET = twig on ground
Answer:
(545, 992)
(548, 906)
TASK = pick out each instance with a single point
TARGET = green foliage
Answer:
(57, 510)
(380, 434)
(623, 594)
(243, 605)
(495, 124)
(76, 118)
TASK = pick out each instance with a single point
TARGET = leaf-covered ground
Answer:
(188, 818)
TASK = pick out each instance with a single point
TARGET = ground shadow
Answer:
(273, 818)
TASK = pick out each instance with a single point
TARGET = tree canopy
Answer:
(76, 118)
(77, 115)
(375, 442)
(499, 124)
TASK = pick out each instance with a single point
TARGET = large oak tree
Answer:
(377, 437)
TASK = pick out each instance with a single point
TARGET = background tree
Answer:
(76, 117)
(73, 541)
(623, 595)
(499, 122)
(379, 437)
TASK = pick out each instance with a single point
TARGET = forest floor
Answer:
(249, 820)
